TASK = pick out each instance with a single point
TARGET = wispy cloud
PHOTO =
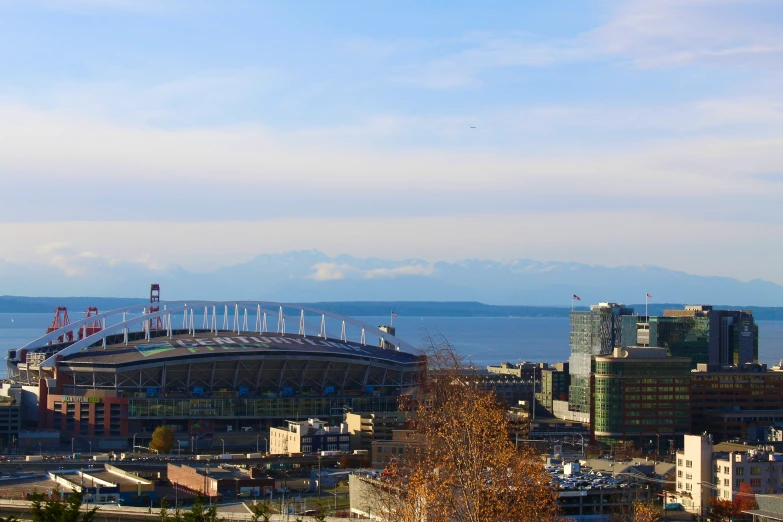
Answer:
(155, 7)
(481, 52)
(660, 33)
(668, 33)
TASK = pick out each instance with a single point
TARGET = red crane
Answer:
(92, 326)
(156, 323)
(60, 321)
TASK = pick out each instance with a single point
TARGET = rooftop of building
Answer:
(17, 488)
(523, 365)
(115, 478)
(770, 507)
(639, 353)
(210, 344)
(588, 478)
(631, 466)
(215, 470)
(314, 427)
(701, 311)
(703, 368)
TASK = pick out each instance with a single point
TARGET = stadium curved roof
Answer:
(236, 319)
(210, 345)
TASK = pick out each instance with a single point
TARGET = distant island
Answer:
(21, 305)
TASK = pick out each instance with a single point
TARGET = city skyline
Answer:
(200, 134)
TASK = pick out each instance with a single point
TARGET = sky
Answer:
(203, 133)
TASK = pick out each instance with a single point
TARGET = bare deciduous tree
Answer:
(462, 467)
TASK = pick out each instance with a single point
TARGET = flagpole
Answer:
(572, 302)
(391, 318)
(646, 313)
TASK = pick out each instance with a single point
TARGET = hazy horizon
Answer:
(151, 134)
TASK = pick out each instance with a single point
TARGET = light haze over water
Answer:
(482, 340)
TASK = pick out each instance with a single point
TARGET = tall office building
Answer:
(707, 336)
(640, 394)
(597, 332)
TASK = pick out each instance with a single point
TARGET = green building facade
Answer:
(555, 381)
(683, 337)
(639, 394)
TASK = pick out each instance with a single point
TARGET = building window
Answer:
(726, 469)
(738, 482)
(679, 473)
(755, 482)
(739, 471)
(726, 482)
(755, 470)
(688, 463)
(688, 486)
(679, 462)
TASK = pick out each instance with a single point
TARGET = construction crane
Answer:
(60, 320)
(156, 323)
(91, 327)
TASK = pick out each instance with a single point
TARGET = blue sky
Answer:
(609, 132)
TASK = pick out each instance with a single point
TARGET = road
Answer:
(153, 464)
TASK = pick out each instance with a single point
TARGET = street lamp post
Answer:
(319, 476)
(257, 437)
(224, 446)
(266, 445)
(90, 442)
(657, 446)
(72, 438)
(207, 484)
(134, 442)
(179, 448)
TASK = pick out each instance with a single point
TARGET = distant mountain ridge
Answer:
(312, 276)
(18, 304)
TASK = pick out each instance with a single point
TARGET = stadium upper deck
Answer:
(119, 379)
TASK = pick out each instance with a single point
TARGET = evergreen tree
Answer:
(199, 513)
(56, 511)
(261, 511)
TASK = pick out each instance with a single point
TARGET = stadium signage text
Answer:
(69, 398)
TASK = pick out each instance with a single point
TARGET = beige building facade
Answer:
(703, 472)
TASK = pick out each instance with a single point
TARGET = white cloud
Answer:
(75, 262)
(335, 271)
(87, 150)
(329, 272)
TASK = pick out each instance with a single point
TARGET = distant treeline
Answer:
(17, 305)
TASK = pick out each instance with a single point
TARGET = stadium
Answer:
(207, 367)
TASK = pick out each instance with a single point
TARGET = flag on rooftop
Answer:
(577, 297)
(649, 296)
